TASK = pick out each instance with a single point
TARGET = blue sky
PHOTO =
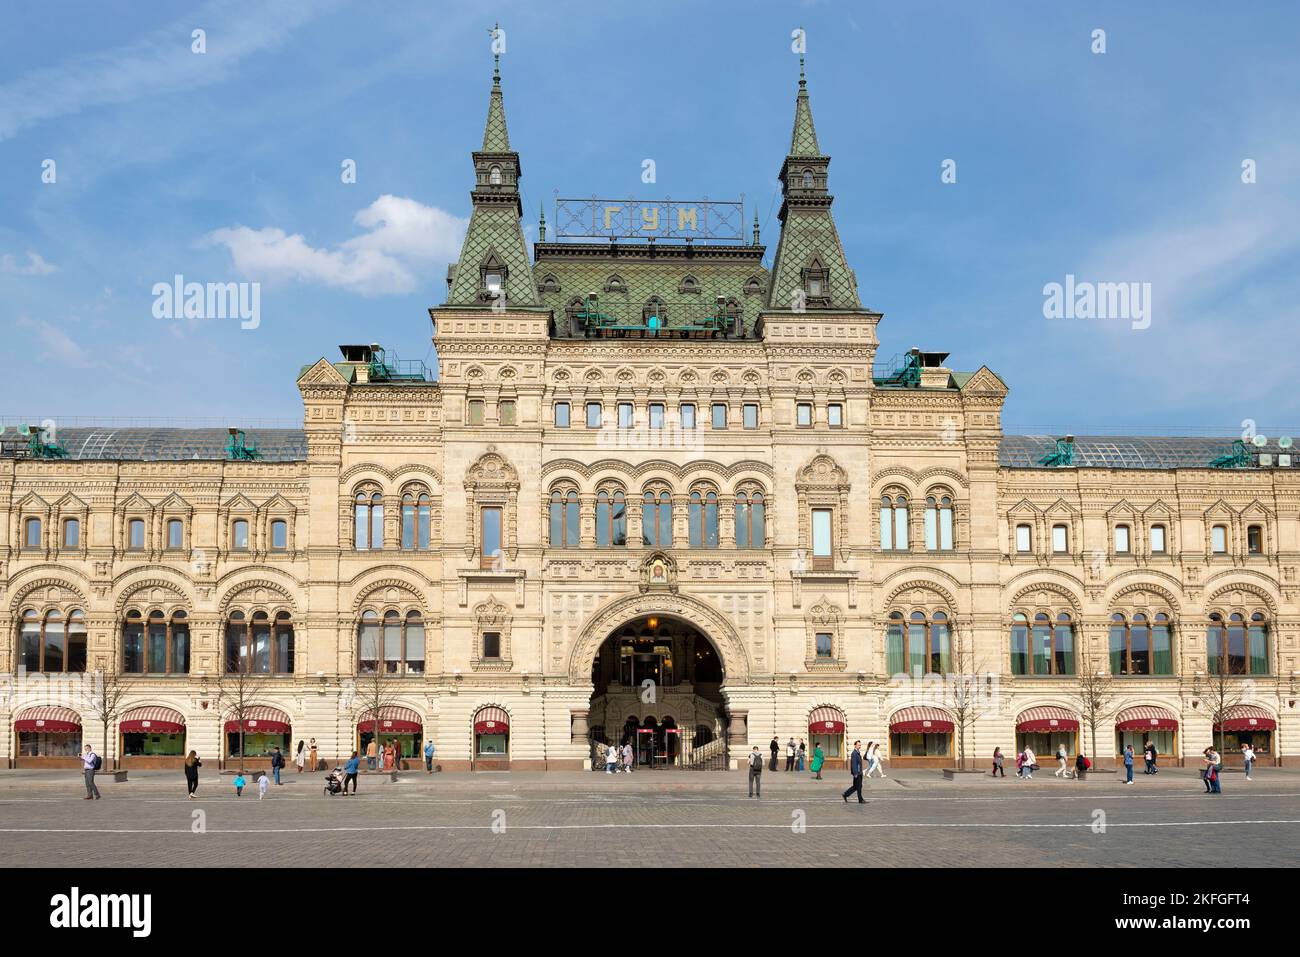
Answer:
(1115, 167)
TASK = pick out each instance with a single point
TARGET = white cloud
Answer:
(158, 63)
(404, 239)
(57, 345)
(36, 266)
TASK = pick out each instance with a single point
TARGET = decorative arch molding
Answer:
(946, 586)
(822, 470)
(1027, 595)
(1167, 595)
(128, 593)
(921, 479)
(231, 593)
(364, 470)
(365, 592)
(602, 467)
(47, 580)
(712, 623)
(406, 473)
(1255, 588)
(1148, 579)
(1064, 579)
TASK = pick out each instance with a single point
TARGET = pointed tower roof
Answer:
(809, 256)
(803, 141)
(494, 250)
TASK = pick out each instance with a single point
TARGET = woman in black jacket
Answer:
(192, 765)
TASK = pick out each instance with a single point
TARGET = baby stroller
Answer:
(334, 782)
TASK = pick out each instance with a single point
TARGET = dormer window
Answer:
(615, 284)
(494, 176)
(492, 281)
(814, 286)
(807, 179)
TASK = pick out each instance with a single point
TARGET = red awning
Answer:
(1246, 717)
(826, 719)
(1046, 719)
(921, 721)
(152, 720)
(49, 720)
(261, 720)
(491, 720)
(1145, 718)
(393, 720)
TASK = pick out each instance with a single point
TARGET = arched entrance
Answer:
(657, 689)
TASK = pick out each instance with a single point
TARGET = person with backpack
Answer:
(756, 770)
(1081, 766)
(1149, 755)
(1062, 757)
(90, 763)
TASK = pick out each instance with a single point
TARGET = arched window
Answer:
(919, 644)
(51, 642)
(258, 644)
(654, 313)
(1140, 645)
(1237, 646)
(494, 175)
(657, 519)
(751, 519)
(807, 179)
(564, 519)
(704, 519)
(893, 522)
(611, 518)
(1044, 646)
(393, 644)
(416, 506)
(158, 645)
(938, 522)
(368, 513)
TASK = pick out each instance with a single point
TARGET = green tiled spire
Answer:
(809, 256)
(494, 242)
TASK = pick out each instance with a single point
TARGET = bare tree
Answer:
(237, 696)
(1221, 692)
(103, 693)
(1094, 695)
(967, 691)
(377, 693)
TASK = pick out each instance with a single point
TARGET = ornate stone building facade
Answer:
(655, 494)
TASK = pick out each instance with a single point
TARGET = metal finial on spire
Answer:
(756, 227)
(541, 223)
(496, 56)
(803, 80)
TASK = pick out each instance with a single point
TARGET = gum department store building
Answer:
(656, 494)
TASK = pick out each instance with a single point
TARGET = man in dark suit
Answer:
(855, 768)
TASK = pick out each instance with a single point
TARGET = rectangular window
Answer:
(625, 415)
(279, 535)
(1121, 539)
(561, 415)
(656, 415)
(594, 415)
(823, 645)
(821, 536)
(491, 644)
(175, 533)
(1060, 539)
(32, 533)
(751, 415)
(1219, 539)
(803, 414)
(71, 533)
(1023, 541)
(475, 413)
(688, 415)
(1157, 539)
(239, 535)
(506, 411)
(719, 415)
(490, 544)
(135, 534)
(1255, 540)
(835, 415)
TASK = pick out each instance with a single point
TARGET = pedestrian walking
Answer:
(239, 785)
(313, 755)
(874, 762)
(277, 762)
(372, 754)
(627, 757)
(801, 756)
(1149, 756)
(428, 757)
(300, 756)
(1063, 759)
(790, 752)
(263, 782)
(756, 772)
(611, 759)
(1026, 766)
(855, 769)
(818, 759)
(997, 763)
(350, 773)
(90, 763)
(1081, 766)
(775, 748)
(1248, 756)
(192, 765)
(390, 757)
(1128, 763)
(1216, 771)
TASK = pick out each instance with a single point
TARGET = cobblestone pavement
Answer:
(650, 819)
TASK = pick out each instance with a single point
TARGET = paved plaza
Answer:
(650, 819)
